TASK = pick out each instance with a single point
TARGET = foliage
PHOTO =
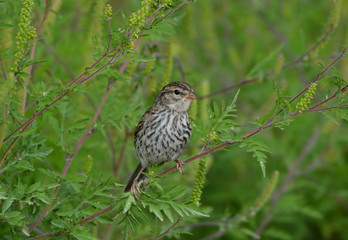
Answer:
(76, 77)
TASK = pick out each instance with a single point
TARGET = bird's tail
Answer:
(134, 175)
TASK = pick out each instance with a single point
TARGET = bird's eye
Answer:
(177, 92)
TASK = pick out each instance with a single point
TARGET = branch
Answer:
(33, 50)
(270, 73)
(78, 79)
(89, 129)
(249, 134)
(183, 77)
(87, 219)
(79, 145)
(69, 159)
(118, 163)
(58, 97)
(223, 223)
(270, 122)
(167, 231)
(317, 78)
(173, 10)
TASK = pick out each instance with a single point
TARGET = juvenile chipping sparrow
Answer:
(163, 131)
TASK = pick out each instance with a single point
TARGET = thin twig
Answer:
(209, 223)
(87, 219)
(167, 231)
(183, 77)
(109, 34)
(33, 51)
(312, 49)
(68, 161)
(89, 129)
(64, 65)
(57, 98)
(270, 122)
(251, 133)
(270, 73)
(315, 80)
(94, 215)
(173, 10)
(50, 235)
(42, 215)
(288, 179)
(76, 80)
(111, 146)
(329, 108)
(3, 70)
(214, 235)
(118, 163)
(119, 54)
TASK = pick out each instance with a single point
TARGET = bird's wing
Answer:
(143, 122)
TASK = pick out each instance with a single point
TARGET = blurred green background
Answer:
(215, 44)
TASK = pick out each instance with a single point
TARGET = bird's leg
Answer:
(135, 185)
(180, 166)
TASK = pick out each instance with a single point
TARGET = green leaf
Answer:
(250, 233)
(216, 109)
(258, 149)
(15, 217)
(24, 165)
(167, 212)
(58, 222)
(35, 187)
(129, 202)
(7, 204)
(178, 210)
(154, 209)
(43, 197)
(49, 173)
(19, 192)
(82, 233)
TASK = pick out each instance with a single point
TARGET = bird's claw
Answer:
(180, 166)
(135, 189)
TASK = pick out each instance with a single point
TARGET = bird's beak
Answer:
(191, 95)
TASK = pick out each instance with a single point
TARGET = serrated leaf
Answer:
(19, 192)
(43, 197)
(49, 173)
(154, 209)
(234, 101)
(65, 211)
(167, 212)
(13, 214)
(216, 109)
(25, 165)
(57, 222)
(192, 210)
(263, 168)
(7, 204)
(34, 187)
(82, 234)
(129, 202)
(178, 210)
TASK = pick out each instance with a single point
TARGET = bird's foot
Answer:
(180, 166)
(134, 189)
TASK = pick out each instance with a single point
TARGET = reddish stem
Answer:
(32, 55)
(89, 129)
